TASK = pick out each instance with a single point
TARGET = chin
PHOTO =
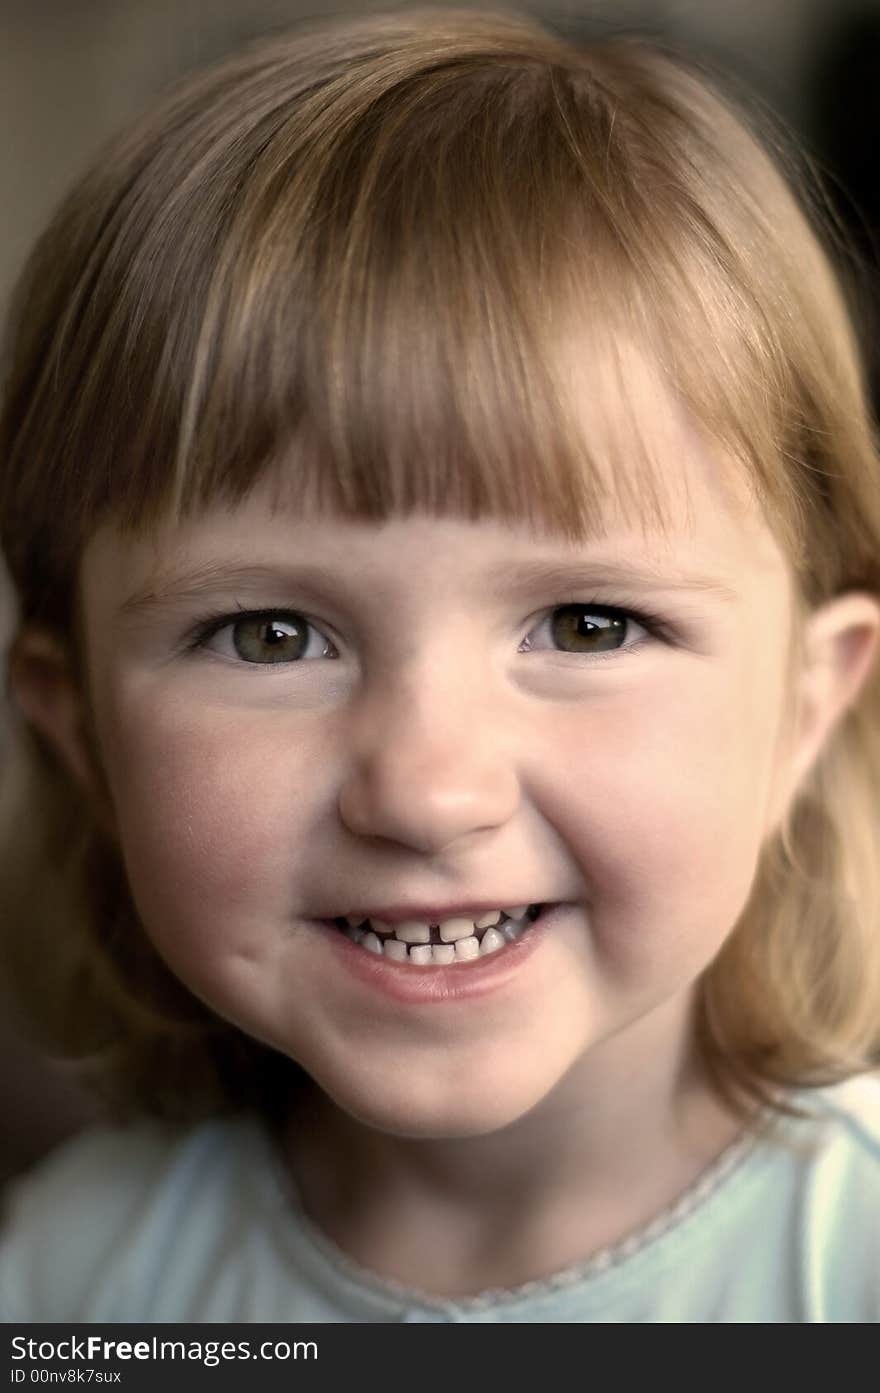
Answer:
(437, 1113)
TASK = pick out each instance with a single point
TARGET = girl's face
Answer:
(430, 719)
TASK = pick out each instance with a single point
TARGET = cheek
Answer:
(213, 817)
(667, 816)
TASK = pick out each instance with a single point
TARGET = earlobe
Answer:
(842, 645)
(44, 688)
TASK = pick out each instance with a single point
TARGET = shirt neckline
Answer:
(710, 1182)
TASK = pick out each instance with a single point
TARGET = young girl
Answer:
(445, 523)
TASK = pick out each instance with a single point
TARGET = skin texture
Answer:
(434, 759)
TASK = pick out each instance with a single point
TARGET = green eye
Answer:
(268, 639)
(591, 630)
(579, 629)
(263, 638)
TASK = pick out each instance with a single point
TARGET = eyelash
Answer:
(657, 627)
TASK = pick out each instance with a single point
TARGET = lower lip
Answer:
(420, 986)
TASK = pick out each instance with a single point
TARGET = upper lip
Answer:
(435, 914)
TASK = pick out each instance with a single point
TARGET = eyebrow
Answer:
(170, 589)
(641, 575)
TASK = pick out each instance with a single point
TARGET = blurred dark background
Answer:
(72, 71)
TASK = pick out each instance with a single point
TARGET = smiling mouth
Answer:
(458, 940)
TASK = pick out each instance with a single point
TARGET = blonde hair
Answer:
(349, 259)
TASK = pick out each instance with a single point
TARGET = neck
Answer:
(618, 1140)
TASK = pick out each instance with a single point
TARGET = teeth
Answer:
(512, 930)
(454, 929)
(486, 921)
(411, 932)
(458, 942)
(466, 948)
(491, 941)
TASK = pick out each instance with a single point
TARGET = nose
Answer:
(429, 763)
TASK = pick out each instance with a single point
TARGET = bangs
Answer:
(461, 311)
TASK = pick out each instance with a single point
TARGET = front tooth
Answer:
(395, 950)
(381, 927)
(443, 953)
(353, 933)
(371, 943)
(411, 932)
(486, 921)
(517, 912)
(453, 929)
(491, 941)
(467, 948)
(421, 954)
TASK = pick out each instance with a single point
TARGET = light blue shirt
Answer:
(144, 1225)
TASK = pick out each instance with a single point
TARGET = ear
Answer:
(841, 646)
(44, 687)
